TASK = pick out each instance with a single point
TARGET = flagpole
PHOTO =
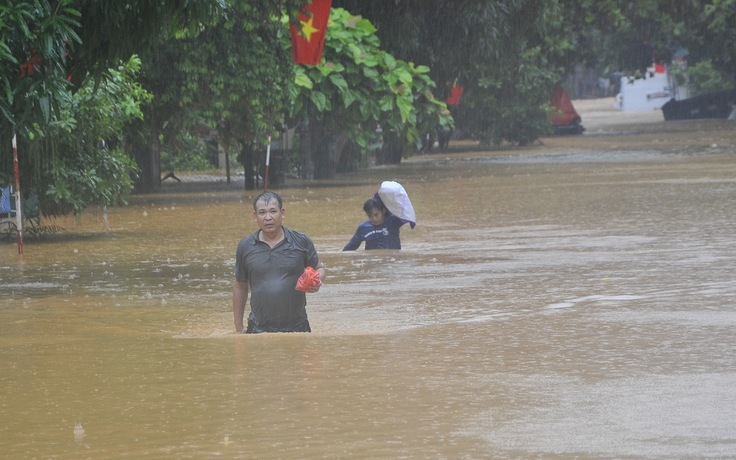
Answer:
(268, 160)
(18, 207)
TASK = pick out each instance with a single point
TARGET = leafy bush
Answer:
(704, 79)
(190, 156)
(82, 159)
(358, 86)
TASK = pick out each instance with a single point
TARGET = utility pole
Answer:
(268, 160)
(18, 207)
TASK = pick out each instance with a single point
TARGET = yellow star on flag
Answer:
(308, 29)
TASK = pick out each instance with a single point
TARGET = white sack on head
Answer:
(397, 201)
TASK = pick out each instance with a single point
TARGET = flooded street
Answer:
(575, 299)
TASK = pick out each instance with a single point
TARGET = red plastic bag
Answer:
(309, 278)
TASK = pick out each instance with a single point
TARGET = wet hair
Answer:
(266, 197)
(373, 203)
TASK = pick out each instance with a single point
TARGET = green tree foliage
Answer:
(508, 98)
(88, 165)
(192, 155)
(35, 36)
(48, 50)
(225, 82)
(357, 87)
(501, 52)
(234, 82)
(508, 54)
(236, 74)
(720, 18)
(76, 160)
(705, 79)
(629, 35)
(45, 42)
(113, 31)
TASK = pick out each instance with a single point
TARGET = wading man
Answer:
(268, 263)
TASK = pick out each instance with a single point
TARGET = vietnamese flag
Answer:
(307, 44)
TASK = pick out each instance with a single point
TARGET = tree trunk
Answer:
(323, 166)
(305, 152)
(148, 159)
(350, 159)
(327, 147)
(391, 152)
(246, 159)
(227, 165)
(337, 145)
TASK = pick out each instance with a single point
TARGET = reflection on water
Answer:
(554, 307)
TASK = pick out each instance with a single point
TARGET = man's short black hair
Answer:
(373, 203)
(266, 197)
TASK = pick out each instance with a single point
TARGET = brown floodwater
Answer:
(568, 300)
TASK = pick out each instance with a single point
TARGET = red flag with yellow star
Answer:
(307, 44)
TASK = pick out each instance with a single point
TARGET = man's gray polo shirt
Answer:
(272, 275)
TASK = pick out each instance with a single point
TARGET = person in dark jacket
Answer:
(380, 231)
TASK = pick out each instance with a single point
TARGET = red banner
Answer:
(455, 94)
(307, 44)
(33, 63)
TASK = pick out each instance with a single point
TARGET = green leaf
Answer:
(365, 26)
(389, 60)
(45, 109)
(326, 69)
(348, 97)
(304, 81)
(319, 99)
(405, 107)
(339, 81)
(387, 103)
(370, 73)
(404, 76)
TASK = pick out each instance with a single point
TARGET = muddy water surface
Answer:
(574, 299)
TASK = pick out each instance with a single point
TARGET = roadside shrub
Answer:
(705, 79)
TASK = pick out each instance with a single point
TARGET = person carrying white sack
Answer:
(387, 212)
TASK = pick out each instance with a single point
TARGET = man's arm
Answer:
(354, 242)
(322, 270)
(240, 296)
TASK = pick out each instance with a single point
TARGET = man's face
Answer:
(269, 216)
(376, 217)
